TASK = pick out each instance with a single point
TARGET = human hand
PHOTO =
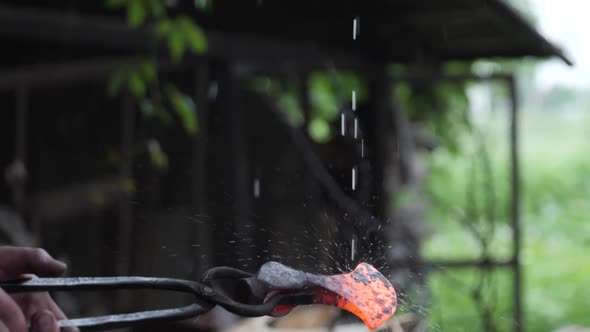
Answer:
(34, 310)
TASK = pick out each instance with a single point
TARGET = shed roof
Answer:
(389, 30)
(394, 30)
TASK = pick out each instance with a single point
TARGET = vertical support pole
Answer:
(515, 205)
(240, 168)
(124, 240)
(199, 166)
(383, 134)
(18, 167)
(378, 119)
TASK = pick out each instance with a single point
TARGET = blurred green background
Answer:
(555, 212)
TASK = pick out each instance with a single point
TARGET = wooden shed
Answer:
(77, 172)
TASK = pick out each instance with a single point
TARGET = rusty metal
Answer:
(274, 290)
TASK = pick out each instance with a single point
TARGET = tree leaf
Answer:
(289, 103)
(157, 156)
(147, 69)
(157, 8)
(185, 109)
(176, 45)
(164, 27)
(323, 99)
(319, 130)
(194, 35)
(136, 84)
(136, 13)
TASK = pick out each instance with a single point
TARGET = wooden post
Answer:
(515, 205)
(199, 168)
(125, 229)
(239, 168)
(378, 120)
(17, 172)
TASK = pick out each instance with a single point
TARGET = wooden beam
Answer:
(112, 34)
(56, 73)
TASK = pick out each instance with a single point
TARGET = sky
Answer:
(566, 23)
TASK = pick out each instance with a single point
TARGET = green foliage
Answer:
(184, 107)
(289, 103)
(157, 156)
(324, 103)
(182, 34)
(556, 187)
(286, 96)
(136, 77)
(138, 11)
(441, 107)
(328, 93)
(319, 130)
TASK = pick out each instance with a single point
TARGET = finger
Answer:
(15, 261)
(44, 321)
(10, 314)
(3, 328)
(31, 303)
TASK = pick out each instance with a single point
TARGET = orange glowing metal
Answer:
(364, 292)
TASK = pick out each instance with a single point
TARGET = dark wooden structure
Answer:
(78, 175)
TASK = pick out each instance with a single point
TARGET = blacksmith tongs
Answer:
(274, 290)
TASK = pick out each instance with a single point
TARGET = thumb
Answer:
(44, 321)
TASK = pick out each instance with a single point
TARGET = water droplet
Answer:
(256, 187)
(213, 90)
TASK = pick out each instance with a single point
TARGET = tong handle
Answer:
(101, 323)
(115, 283)
(104, 283)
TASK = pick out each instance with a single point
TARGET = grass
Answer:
(555, 219)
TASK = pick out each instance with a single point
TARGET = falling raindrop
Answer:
(353, 248)
(256, 187)
(355, 28)
(342, 124)
(213, 90)
(362, 148)
(354, 178)
(353, 100)
(356, 125)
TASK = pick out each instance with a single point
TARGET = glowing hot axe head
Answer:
(364, 292)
